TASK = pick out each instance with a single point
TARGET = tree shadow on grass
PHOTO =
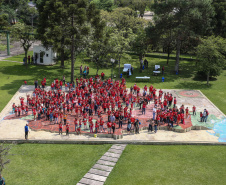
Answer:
(192, 85)
(12, 87)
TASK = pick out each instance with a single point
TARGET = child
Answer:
(200, 116)
(13, 107)
(60, 128)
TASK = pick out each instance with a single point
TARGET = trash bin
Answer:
(121, 75)
(163, 79)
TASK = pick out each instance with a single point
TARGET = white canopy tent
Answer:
(126, 67)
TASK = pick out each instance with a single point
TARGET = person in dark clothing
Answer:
(156, 125)
(36, 84)
(120, 121)
(150, 128)
(127, 73)
(137, 126)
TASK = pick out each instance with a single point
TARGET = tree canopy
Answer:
(211, 54)
(69, 23)
(185, 19)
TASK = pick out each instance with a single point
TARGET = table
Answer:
(156, 72)
(143, 78)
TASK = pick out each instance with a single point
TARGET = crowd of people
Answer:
(91, 97)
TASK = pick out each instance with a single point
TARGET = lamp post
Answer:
(112, 62)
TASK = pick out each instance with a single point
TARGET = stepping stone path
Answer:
(98, 174)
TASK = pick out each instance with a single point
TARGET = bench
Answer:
(143, 78)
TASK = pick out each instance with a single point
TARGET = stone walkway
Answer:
(98, 174)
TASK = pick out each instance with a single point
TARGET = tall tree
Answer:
(24, 34)
(140, 43)
(219, 20)
(69, 23)
(211, 54)
(188, 18)
(100, 48)
(136, 5)
(123, 19)
(121, 41)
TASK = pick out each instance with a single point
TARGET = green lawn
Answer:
(170, 165)
(51, 163)
(12, 76)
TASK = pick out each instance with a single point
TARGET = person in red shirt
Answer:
(109, 127)
(194, 110)
(67, 129)
(174, 102)
(60, 128)
(102, 75)
(96, 126)
(200, 116)
(102, 125)
(187, 112)
(143, 107)
(26, 110)
(34, 114)
(113, 127)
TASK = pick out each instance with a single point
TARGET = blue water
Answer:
(220, 130)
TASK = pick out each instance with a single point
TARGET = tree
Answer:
(70, 22)
(219, 22)
(136, 5)
(3, 18)
(99, 49)
(187, 18)
(4, 152)
(106, 5)
(211, 54)
(121, 42)
(23, 33)
(140, 43)
(123, 19)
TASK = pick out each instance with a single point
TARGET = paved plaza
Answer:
(213, 130)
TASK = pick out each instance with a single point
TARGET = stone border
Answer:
(95, 142)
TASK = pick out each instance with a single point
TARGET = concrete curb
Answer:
(94, 142)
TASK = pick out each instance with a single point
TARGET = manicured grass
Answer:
(12, 76)
(170, 165)
(51, 164)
